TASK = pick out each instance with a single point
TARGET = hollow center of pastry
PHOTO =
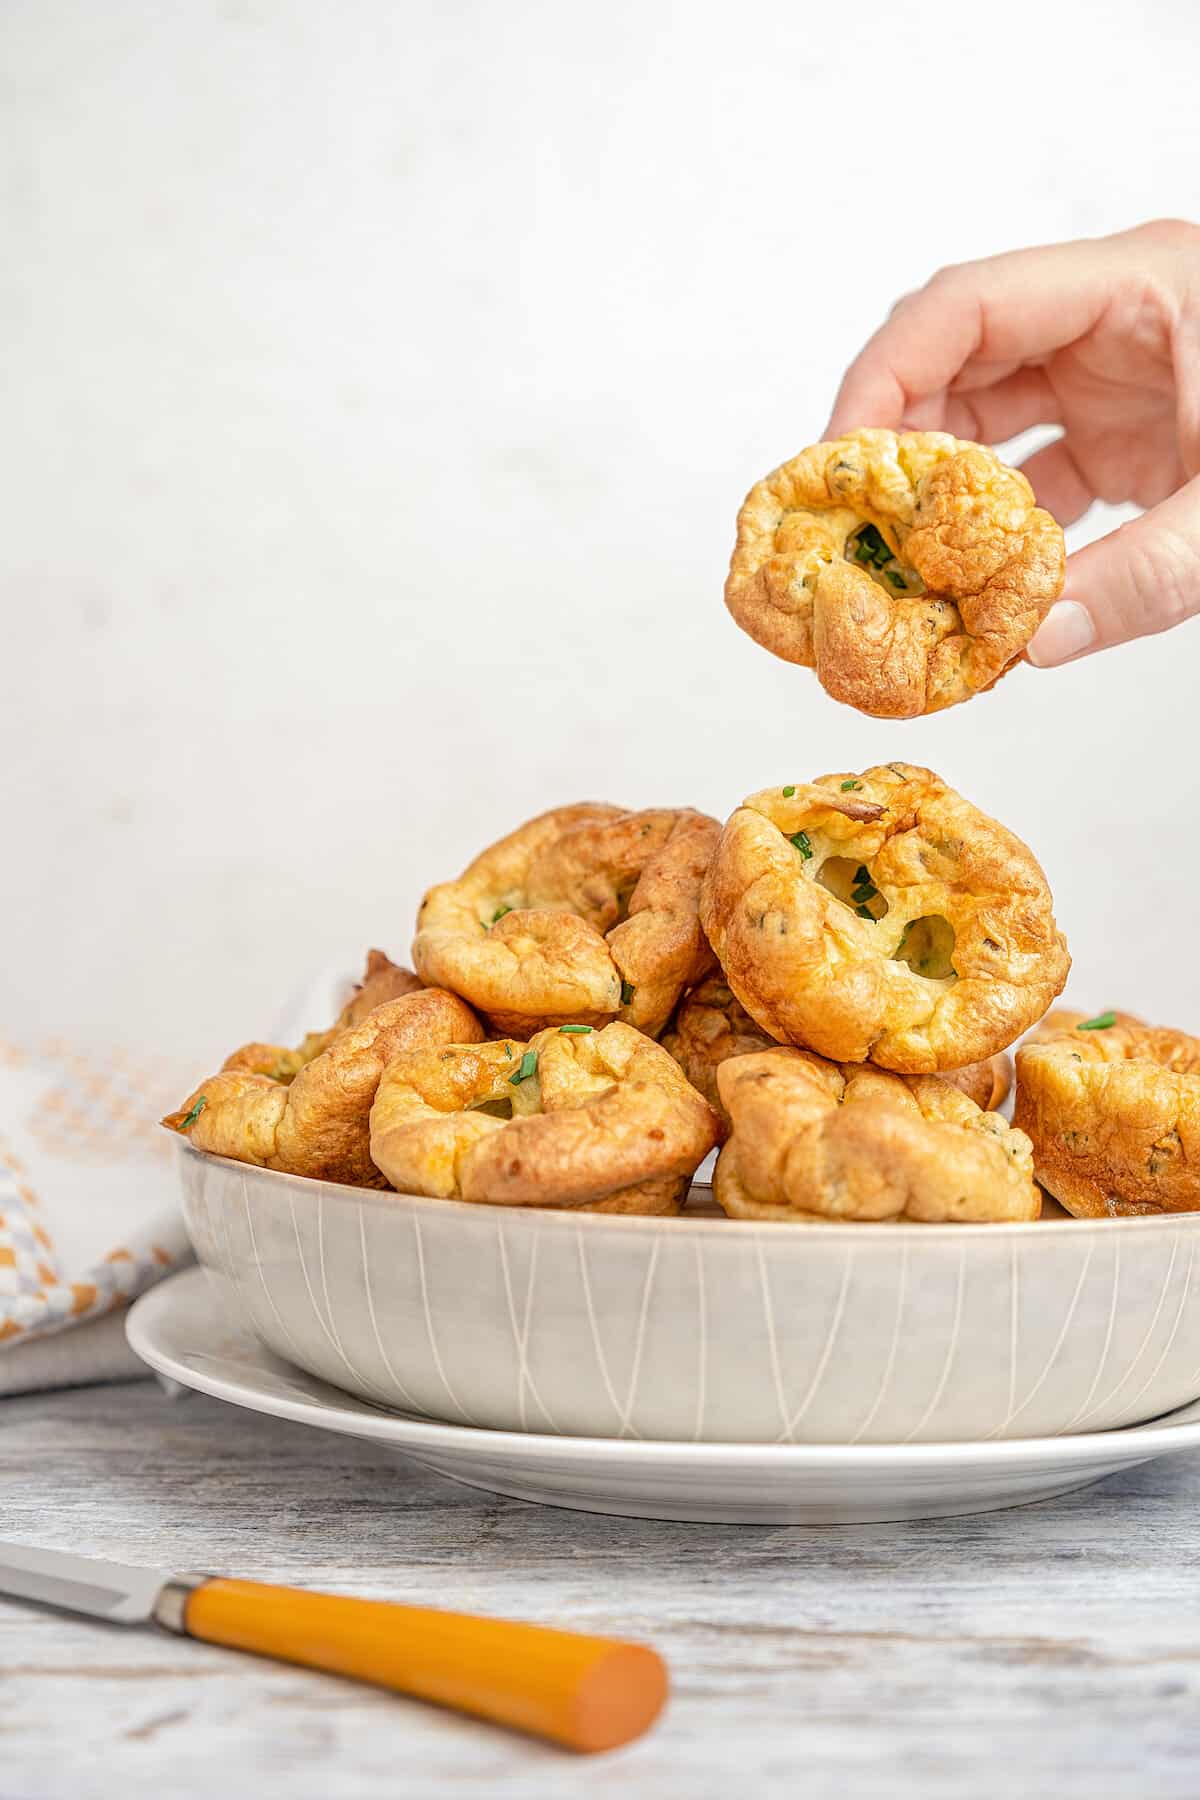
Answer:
(928, 948)
(870, 550)
(623, 894)
(496, 1109)
(849, 881)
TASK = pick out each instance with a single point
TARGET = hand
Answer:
(1101, 337)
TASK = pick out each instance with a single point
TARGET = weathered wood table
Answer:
(1053, 1650)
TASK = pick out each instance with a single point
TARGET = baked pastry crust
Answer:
(711, 1025)
(956, 569)
(382, 980)
(583, 915)
(601, 1121)
(1113, 1113)
(814, 1140)
(314, 1119)
(947, 954)
(987, 1083)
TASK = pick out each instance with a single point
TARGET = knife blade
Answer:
(106, 1590)
(588, 1693)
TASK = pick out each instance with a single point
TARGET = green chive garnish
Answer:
(627, 992)
(191, 1117)
(500, 912)
(800, 840)
(864, 912)
(871, 548)
(575, 1029)
(1101, 1022)
(862, 875)
(788, 792)
(896, 580)
(527, 1068)
(847, 785)
(860, 895)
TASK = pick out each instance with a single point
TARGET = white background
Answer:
(380, 385)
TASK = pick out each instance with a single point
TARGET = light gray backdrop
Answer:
(380, 385)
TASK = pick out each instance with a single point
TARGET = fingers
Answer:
(1058, 482)
(1142, 578)
(989, 415)
(1008, 309)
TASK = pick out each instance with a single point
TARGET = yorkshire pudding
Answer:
(882, 916)
(1112, 1107)
(599, 1121)
(711, 1025)
(382, 980)
(987, 1083)
(583, 915)
(909, 571)
(815, 1140)
(313, 1119)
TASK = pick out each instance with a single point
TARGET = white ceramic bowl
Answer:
(704, 1328)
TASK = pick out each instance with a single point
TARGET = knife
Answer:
(588, 1693)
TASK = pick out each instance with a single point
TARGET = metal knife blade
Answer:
(106, 1590)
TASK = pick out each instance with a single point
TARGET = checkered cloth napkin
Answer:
(88, 1213)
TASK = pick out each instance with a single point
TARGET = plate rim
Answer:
(562, 1218)
(408, 1432)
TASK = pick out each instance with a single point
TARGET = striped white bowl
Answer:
(702, 1328)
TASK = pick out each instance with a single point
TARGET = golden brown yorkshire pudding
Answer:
(812, 1140)
(987, 1083)
(585, 914)
(316, 1121)
(602, 1121)
(882, 916)
(382, 980)
(1112, 1107)
(711, 1025)
(909, 571)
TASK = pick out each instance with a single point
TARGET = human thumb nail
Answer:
(1066, 631)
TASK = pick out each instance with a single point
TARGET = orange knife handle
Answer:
(588, 1693)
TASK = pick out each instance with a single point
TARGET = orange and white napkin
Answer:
(88, 1209)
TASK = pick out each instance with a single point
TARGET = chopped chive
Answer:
(864, 912)
(577, 1030)
(788, 792)
(527, 1068)
(847, 785)
(627, 992)
(500, 912)
(800, 840)
(191, 1117)
(1101, 1022)
(871, 548)
(860, 895)
(896, 580)
(862, 874)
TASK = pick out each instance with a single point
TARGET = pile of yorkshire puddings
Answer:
(826, 985)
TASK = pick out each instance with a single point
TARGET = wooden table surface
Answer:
(1052, 1650)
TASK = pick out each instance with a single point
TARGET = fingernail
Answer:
(1066, 631)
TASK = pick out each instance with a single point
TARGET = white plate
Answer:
(181, 1329)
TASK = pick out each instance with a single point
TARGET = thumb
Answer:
(1143, 577)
